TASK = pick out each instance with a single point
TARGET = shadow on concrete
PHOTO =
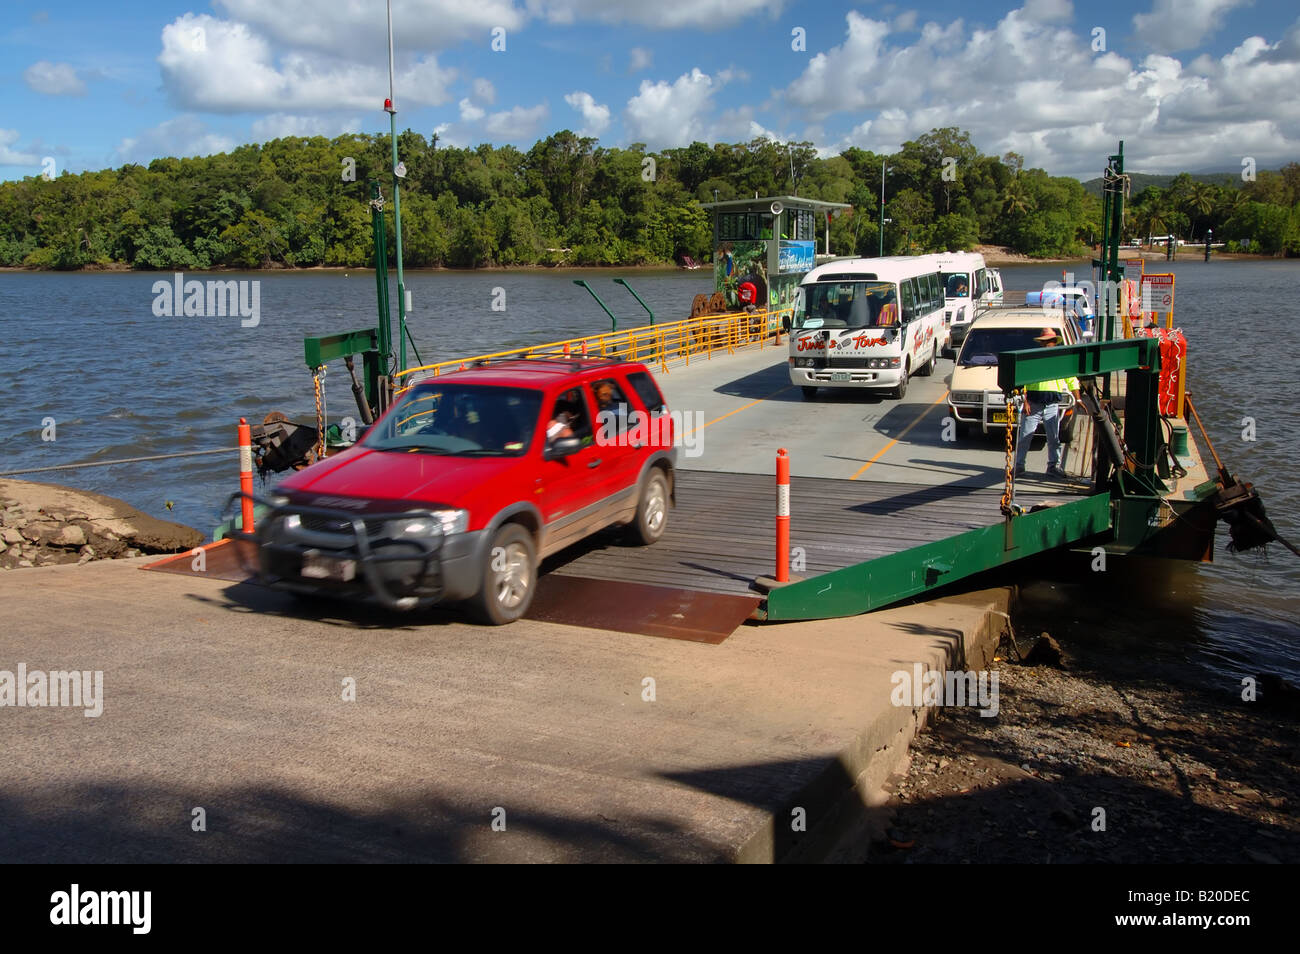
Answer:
(95, 824)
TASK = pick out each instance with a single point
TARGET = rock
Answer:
(1046, 652)
(24, 562)
(10, 535)
(3, 546)
(70, 536)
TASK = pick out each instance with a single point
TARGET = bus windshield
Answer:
(849, 305)
(956, 285)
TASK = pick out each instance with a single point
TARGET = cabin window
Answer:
(907, 296)
(933, 297)
(806, 225)
(741, 226)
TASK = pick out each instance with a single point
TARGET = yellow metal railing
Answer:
(662, 344)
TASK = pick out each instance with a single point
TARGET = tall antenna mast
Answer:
(399, 172)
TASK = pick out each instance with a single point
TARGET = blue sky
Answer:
(1189, 84)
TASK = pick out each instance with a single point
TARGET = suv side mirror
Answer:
(562, 447)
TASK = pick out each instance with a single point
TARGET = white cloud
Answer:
(518, 123)
(358, 30)
(180, 137)
(1174, 25)
(700, 14)
(483, 91)
(220, 66)
(595, 117)
(1031, 85)
(639, 58)
(469, 113)
(9, 156)
(53, 79)
(283, 125)
(670, 114)
(905, 22)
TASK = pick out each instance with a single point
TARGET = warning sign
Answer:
(1158, 293)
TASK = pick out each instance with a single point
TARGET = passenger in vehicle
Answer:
(565, 416)
(611, 410)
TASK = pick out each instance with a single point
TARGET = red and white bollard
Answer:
(246, 474)
(782, 516)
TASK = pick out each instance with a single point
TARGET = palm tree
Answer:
(1015, 201)
(1153, 218)
(1199, 200)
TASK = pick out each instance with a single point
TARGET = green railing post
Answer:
(623, 282)
(612, 318)
(381, 276)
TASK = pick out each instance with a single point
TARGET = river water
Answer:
(119, 380)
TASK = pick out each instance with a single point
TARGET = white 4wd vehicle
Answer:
(974, 398)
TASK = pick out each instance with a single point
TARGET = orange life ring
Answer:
(747, 293)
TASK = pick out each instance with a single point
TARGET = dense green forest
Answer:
(569, 201)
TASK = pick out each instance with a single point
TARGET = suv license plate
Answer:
(316, 566)
(839, 375)
(998, 417)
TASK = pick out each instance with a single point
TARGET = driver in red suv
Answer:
(472, 478)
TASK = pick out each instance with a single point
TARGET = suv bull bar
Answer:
(361, 549)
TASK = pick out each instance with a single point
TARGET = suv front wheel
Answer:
(509, 576)
(652, 511)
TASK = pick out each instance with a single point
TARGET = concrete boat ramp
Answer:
(308, 732)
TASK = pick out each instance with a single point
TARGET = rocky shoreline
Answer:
(1177, 771)
(49, 525)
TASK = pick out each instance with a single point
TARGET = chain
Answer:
(318, 382)
(1009, 494)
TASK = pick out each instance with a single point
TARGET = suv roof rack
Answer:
(572, 362)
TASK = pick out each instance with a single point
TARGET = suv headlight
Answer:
(445, 521)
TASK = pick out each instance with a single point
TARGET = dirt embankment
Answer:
(47, 524)
(1107, 758)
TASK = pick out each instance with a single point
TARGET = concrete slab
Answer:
(229, 698)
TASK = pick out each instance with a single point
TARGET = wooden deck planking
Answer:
(721, 534)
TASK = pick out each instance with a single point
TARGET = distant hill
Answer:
(1143, 180)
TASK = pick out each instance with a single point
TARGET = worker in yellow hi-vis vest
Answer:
(1044, 402)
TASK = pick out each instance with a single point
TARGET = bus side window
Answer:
(936, 291)
(907, 293)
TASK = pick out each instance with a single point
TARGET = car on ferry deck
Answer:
(470, 479)
(975, 400)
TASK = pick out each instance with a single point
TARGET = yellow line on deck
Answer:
(881, 453)
(741, 408)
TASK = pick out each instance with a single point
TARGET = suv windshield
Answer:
(849, 305)
(983, 344)
(460, 420)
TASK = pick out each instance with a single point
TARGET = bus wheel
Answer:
(928, 368)
(809, 392)
(901, 390)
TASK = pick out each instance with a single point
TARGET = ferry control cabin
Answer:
(763, 247)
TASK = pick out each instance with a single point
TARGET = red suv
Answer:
(473, 477)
